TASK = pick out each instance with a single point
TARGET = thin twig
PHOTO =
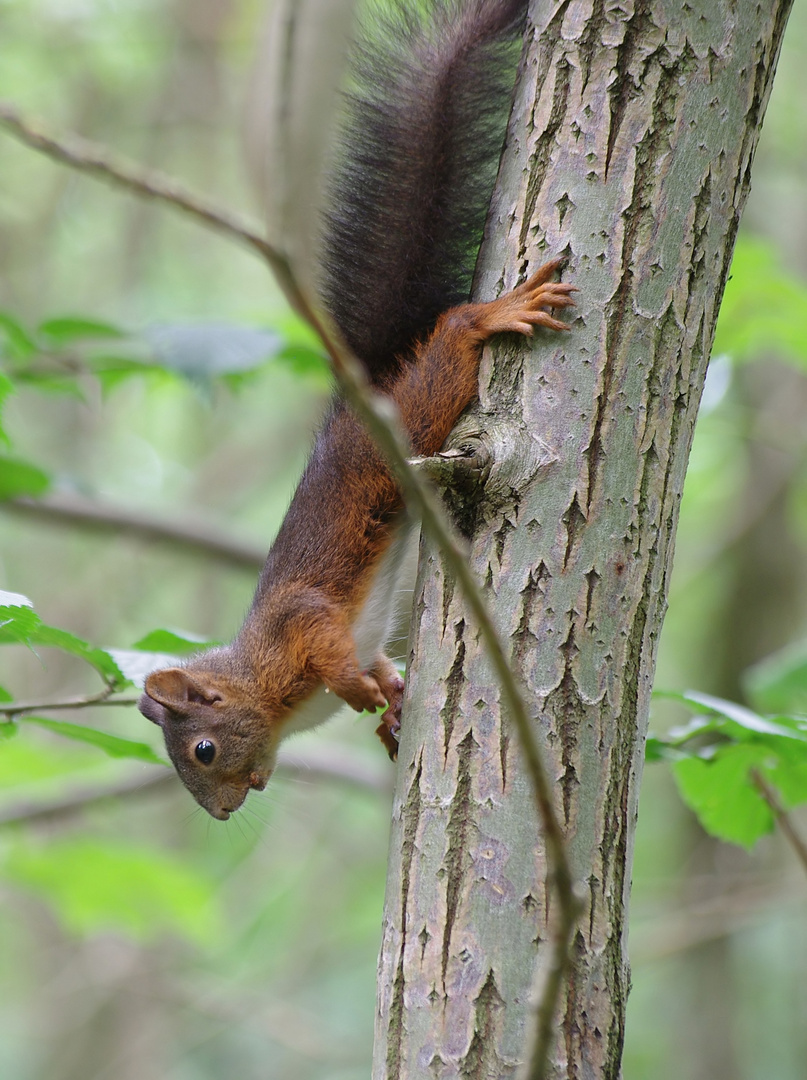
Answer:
(782, 817)
(378, 415)
(90, 158)
(20, 708)
(72, 509)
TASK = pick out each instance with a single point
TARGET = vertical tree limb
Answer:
(630, 149)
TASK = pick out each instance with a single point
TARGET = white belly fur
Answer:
(384, 611)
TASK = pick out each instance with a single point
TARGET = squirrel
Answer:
(412, 182)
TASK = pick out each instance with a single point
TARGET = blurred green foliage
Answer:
(148, 364)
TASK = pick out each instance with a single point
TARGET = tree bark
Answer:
(630, 149)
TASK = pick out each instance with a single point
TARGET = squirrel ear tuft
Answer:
(176, 689)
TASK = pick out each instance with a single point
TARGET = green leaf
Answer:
(15, 341)
(158, 649)
(51, 382)
(177, 642)
(21, 478)
(787, 771)
(660, 750)
(111, 371)
(6, 389)
(203, 350)
(305, 361)
(14, 599)
(20, 625)
(112, 745)
(764, 309)
(8, 730)
(136, 665)
(71, 328)
(720, 791)
(739, 716)
(779, 682)
(30, 762)
(97, 886)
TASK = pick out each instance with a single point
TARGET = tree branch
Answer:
(88, 157)
(18, 708)
(70, 509)
(95, 160)
(782, 817)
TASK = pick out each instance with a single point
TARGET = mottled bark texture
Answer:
(630, 148)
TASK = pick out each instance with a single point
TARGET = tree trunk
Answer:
(630, 149)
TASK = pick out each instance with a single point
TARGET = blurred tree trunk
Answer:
(630, 149)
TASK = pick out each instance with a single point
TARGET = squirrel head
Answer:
(218, 733)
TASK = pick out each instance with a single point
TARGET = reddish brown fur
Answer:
(298, 634)
(343, 515)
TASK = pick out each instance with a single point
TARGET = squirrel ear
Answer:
(152, 710)
(175, 689)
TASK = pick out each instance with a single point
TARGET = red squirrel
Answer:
(407, 208)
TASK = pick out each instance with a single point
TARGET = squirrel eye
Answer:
(205, 751)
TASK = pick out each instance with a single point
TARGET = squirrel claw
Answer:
(389, 740)
(390, 726)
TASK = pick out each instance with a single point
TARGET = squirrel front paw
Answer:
(363, 694)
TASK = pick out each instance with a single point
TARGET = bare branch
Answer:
(18, 708)
(96, 161)
(70, 509)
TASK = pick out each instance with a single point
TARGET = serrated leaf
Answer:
(739, 715)
(722, 795)
(71, 328)
(137, 665)
(14, 599)
(97, 886)
(21, 478)
(17, 623)
(113, 745)
(15, 341)
(21, 625)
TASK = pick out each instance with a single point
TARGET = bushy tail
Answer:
(415, 168)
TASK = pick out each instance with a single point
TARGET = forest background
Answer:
(155, 369)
